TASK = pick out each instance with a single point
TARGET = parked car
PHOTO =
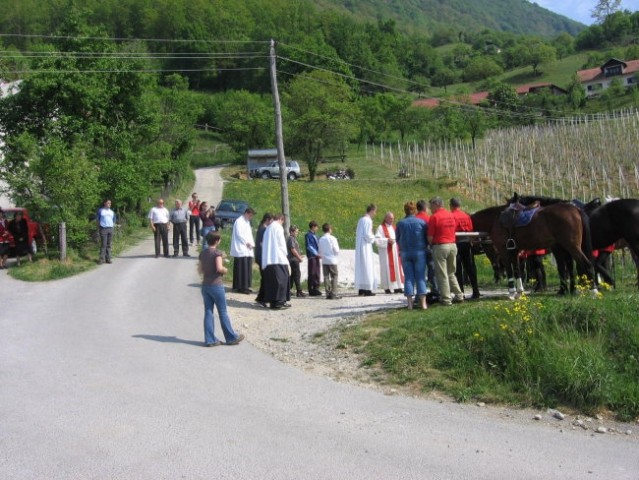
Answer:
(36, 231)
(227, 211)
(272, 170)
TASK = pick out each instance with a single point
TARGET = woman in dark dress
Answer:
(20, 230)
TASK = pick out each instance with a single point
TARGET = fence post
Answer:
(62, 235)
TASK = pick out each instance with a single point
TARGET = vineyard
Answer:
(585, 157)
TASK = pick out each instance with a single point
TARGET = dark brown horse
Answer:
(558, 224)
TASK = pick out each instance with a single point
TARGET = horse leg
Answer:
(600, 268)
(585, 266)
(565, 270)
(515, 285)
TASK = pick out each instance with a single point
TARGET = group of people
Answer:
(198, 216)
(278, 259)
(19, 230)
(419, 249)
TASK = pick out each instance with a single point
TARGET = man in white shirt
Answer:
(275, 265)
(329, 250)
(391, 276)
(365, 281)
(159, 220)
(242, 245)
(106, 221)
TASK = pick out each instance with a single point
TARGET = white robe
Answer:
(365, 278)
(242, 242)
(389, 257)
(274, 250)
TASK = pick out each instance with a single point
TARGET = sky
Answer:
(580, 9)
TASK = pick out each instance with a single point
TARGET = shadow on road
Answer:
(165, 339)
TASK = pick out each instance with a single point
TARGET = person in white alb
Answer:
(159, 220)
(365, 278)
(329, 250)
(391, 277)
(242, 245)
(275, 265)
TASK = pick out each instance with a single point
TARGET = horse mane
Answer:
(530, 199)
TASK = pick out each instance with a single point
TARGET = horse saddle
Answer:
(518, 215)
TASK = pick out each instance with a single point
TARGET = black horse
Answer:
(615, 221)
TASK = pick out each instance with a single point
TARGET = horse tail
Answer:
(586, 241)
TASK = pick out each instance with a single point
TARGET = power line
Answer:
(128, 39)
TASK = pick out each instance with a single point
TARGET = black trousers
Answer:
(466, 266)
(161, 235)
(276, 284)
(179, 233)
(296, 276)
(314, 264)
(194, 227)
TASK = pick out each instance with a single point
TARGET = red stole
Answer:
(389, 253)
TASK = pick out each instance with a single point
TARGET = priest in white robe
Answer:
(242, 245)
(365, 275)
(275, 265)
(391, 275)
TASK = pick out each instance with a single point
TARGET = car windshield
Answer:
(232, 206)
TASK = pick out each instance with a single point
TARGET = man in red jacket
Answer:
(441, 235)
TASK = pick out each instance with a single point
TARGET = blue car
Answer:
(227, 211)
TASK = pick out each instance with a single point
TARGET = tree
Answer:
(603, 8)
(564, 44)
(444, 77)
(481, 68)
(540, 53)
(320, 114)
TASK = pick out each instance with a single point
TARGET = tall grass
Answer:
(580, 353)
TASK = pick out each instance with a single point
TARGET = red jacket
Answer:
(442, 227)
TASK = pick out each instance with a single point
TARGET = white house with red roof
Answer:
(598, 79)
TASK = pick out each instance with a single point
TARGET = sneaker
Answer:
(109, 261)
(214, 344)
(301, 294)
(458, 299)
(237, 340)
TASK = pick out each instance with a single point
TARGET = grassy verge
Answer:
(577, 353)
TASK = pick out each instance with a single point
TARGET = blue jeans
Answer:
(414, 264)
(214, 296)
(205, 231)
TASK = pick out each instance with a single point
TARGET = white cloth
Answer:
(274, 246)
(242, 242)
(159, 215)
(388, 257)
(328, 249)
(365, 278)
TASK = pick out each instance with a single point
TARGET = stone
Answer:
(481, 404)
(601, 430)
(558, 415)
(537, 417)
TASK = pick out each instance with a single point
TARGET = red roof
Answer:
(631, 66)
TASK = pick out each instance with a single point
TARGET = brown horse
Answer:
(558, 224)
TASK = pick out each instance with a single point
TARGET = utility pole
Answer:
(279, 139)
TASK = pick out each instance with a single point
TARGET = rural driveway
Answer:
(103, 376)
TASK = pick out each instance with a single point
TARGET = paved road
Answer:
(103, 376)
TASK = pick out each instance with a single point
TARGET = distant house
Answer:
(478, 97)
(597, 79)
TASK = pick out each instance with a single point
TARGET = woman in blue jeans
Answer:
(212, 268)
(411, 238)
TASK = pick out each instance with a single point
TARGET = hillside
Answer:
(517, 16)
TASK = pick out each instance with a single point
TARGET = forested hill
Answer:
(517, 16)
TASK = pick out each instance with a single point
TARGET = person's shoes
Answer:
(399, 290)
(100, 262)
(166, 256)
(368, 293)
(361, 293)
(157, 256)
(387, 291)
(262, 304)
(109, 260)
(187, 255)
(315, 293)
(246, 291)
(175, 255)
(301, 295)
(214, 344)
(446, 304)
(458, 299)
(239, 338)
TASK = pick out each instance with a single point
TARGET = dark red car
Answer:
(36, 232)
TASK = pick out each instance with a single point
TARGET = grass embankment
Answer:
(538, 351)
